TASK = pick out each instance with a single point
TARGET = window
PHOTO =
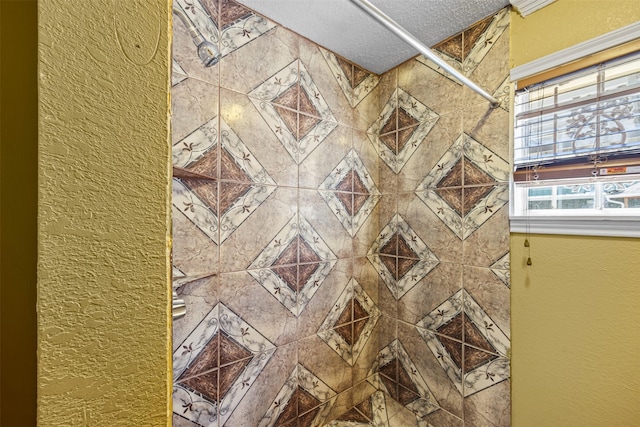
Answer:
(577, 144)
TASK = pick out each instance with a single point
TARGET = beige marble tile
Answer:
(442, 282)
(193, 252)
(178, 421)
(311, 319)
(488, 126)
(325, 223)
(244, 245)
(446, 246)
(445, 393)
(247, 67)
(243, 295)
(490, 407)
(430, 151)
(443, 418)
(264, 390)
(320, 163)
(491, 294)
(319, 71)
(200, 296)
(246, 122)
(368, 111)
(436, 91)
(492, 70)
(489, 242)
(193, 103)
(316, 356)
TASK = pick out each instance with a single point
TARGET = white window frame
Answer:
(593, 222)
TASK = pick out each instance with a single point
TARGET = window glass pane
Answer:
(622, 194)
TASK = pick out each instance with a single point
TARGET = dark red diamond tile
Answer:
(405, 119)
(358, 311)
(474, 195)
(453, 197)
(474, 358)
(229, 374)
(452, 47)
(358, 328)
(206, 360)
(306, 106)
(206, 191)
(289, 275)
(307, 254)
(346, 332)
(230, 12)
(476, 176)
(229, 194)
(366, 408)
(471, 36)
(391, 247)
(354, 416)
(454, 348)
(206, 385)
(404, 250)
(390, 140)
(453, 178)
(358, 201)
(390, 263)
(305, 271)
(406, 396)
(306, 124)
(391, 125)
(306, 401)
(404, 266)
(403, 137)
(473, 336)
(231, 351)
(307, 419)
(359, 75)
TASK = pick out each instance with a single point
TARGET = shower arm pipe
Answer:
(410, 39)
(196, 36)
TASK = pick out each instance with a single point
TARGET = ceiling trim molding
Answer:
(526, 7)
(573, 53)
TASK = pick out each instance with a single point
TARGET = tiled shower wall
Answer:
(340, 238)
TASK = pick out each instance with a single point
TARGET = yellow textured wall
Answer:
(565, 23)
(575, 331)
(574, 312)
(103, 255)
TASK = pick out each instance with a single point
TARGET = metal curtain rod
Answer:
(409, 38)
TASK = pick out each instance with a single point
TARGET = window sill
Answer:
(613, 226)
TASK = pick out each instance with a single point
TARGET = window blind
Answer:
(586, 123)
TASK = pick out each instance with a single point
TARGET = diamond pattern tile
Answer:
(350, 192)
(350, 322)
(482, 360)
(216, 365)
(294, 264)
(293, 107)
(466, 187)
(400, 378)
(355, 82)
(371, 412)
(395, 147)
(400, 257)
(501, 268)
(233, 26)
(218, 210)
(465, 51)
(304, 400)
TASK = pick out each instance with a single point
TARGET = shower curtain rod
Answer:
(410, 39)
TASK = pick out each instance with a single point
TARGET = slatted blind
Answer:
(584, 123)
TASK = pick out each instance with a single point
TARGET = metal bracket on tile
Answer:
(178, 307)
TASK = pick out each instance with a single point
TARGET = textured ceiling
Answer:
(343, 28)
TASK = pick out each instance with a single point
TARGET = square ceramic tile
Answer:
(444, 280)
(258, 401)
(489, 126)
(200, 296)
(253, 144)
(490, 242)
(428, 365)
(490, 292)
(483, 360)
(193, 103)
(194, 253)
(490, 407)
(242, 294)
(327, 365)
(241, 248)
(216, 366)
(246, 68)
(322, 218)
(320, 163)
(311, 319)
(443, 242)
(319, 68)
